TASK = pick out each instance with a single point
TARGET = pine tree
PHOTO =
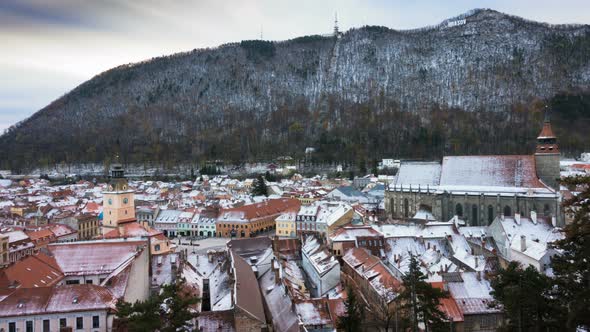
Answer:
(571, 268)
(421, 300)
(351, 321)
(168, 311)
(525, 298)
(178, 312)
(139, 316)
(259, 188)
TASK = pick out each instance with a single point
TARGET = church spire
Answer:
(547, 155)
(547, 141)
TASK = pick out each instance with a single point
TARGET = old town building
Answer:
(252, 219)
(477, 189)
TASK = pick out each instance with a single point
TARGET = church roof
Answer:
(490, 171)
(419, 173)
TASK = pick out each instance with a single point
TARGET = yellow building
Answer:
(118, 201)
(285, 225)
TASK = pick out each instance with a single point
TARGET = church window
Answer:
(474, 219)
(459, 210)
(507, 211)
(490, 214)
(406, 208)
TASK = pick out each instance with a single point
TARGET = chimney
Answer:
(478, 275)
(517, 218)
(554, 221)
(534, 217)
(522, 243)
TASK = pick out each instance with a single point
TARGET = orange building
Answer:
(253, 219)
(118, 201)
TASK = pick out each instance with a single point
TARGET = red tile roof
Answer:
(265, 209)
(56, 299)
(39, 234)
(449, 305)
(39, 270)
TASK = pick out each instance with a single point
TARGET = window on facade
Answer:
(29, 326)
(12, 327)
(100, 280)
(474, 219)
(490, 214)
(72, 282)
(507, 211)
(46, 325)
(79, 323)
(63, 322)
(406, 208)
(89, 282)
(459, 210)
(95, 322)
(546, 210)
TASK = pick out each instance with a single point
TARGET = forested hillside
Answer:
(472, 84)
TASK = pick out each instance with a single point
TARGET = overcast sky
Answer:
(48, 47)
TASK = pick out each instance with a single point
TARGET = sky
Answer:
(48, 47)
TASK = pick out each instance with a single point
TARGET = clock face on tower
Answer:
(125, 200)
(110, 201)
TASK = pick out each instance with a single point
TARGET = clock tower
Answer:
(118, 201)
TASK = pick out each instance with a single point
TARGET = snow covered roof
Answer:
(313, 312)
(351, 233)
(472, 294)
(490, 171)
(94, 257)
(168, 216)
(16, 236)
(57, 299)
(372, 269)
(419, 173)
(321, 259)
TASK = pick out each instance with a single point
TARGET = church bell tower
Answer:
(547, 155)
(118, 200)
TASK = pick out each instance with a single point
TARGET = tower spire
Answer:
(547, 154)
(336, 30)
(546, 115)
